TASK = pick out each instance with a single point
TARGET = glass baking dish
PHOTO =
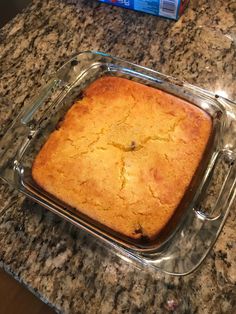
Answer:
(202, 212)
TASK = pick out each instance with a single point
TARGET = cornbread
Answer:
(124, 155)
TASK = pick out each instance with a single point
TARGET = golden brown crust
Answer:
(124, 155)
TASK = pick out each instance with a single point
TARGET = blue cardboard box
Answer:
(172, 9)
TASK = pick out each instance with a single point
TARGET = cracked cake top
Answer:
(124, 155)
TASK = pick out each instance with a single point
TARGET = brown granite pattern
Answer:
(60, 264)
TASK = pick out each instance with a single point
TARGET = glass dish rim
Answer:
(168, 78)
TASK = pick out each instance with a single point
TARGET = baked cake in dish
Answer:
(124, 155)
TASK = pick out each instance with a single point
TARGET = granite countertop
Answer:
(61, 264)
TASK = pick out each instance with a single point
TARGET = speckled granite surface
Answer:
(59, 263)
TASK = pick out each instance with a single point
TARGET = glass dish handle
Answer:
(222, 173)
(16, 137)
(38, 101)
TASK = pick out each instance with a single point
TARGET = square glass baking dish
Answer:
(200, 216)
